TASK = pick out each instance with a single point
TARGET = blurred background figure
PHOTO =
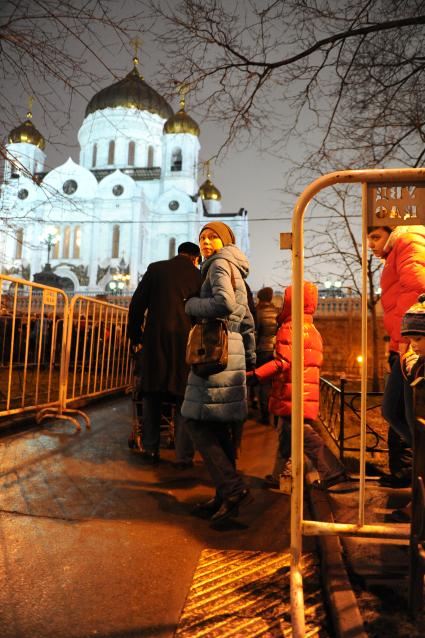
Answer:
(266, 326)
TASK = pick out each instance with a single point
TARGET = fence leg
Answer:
(342, 383)
(417, 531)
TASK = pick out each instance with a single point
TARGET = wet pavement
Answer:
(96, 544)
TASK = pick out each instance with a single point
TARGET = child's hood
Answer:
(310, 302)
(398, 232)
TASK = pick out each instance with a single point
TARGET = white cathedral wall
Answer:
(121, 125)
(24, 157)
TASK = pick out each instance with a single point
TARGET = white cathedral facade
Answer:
(131, 200)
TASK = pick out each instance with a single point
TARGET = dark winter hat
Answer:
(265, 294)
(222, 230)
(413, 322)
(189, 248)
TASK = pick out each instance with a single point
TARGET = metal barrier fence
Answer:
(53, 354)
(31, 345)
(335, 402)
(390, 197)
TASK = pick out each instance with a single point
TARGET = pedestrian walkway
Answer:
(95, 544)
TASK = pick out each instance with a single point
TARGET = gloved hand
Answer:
(409, 359)
(251, 378)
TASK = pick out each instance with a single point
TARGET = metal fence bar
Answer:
(298, 524)
(52, 354)
(100, 361)
(334, 401)
(29, 378)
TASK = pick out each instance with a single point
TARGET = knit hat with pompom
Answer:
(413, 322)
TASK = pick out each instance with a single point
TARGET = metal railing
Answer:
(372, 181)
(31, 345)
(53, 354)
(335, 402)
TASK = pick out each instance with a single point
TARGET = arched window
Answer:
(56, 245)
(131, 153)
(19, 242)
(66, 242)
(176, 159)
(150, 156)
(172, 248)
(77, 242)
(94, 156)
(111, 152)
(115, 241)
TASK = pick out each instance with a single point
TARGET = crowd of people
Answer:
(208, 282)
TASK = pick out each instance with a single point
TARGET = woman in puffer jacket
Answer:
(330, 470)
(215, 404)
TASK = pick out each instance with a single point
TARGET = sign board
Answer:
(49, 298)
(285, 241)
(395, 204)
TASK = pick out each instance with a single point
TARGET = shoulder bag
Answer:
(207, 344)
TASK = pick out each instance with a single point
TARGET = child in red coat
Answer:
(329, 468)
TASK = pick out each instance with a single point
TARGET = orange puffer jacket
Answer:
(280, 399)
(403, 277)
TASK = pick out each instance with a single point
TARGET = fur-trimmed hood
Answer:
(398, 232)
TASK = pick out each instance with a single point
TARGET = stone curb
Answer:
(345, 614)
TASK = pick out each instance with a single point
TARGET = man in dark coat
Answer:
(162, 292)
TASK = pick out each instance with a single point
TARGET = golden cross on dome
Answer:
(207, 168)
(183, 89)
(30, 102)
(136, 42)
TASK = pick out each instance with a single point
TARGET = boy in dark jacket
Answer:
(413, 369)
(266, 326)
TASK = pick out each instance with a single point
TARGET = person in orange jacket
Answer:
(330, 470)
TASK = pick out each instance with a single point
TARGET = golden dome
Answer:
(27, 133)
(131, 92)
(207, 190)
(181, 122)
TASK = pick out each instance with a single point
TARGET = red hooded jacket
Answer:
(280, 399)
(403, 277)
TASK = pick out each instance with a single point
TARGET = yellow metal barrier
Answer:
(390, 197)
(53, 354)
(32, 338)
(97, 350)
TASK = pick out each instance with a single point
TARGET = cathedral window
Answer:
(131, 153)
(111, 152)
(94, 156)
(172, 248)
(77, 242)
(70, 186)
(176, 159)
(19, 243)
(66, 242)
(115, 241)
(150, 156)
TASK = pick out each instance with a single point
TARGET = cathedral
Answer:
(131, 200)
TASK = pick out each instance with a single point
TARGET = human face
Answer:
(376, 241)
(209, 243)
(418, 344)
